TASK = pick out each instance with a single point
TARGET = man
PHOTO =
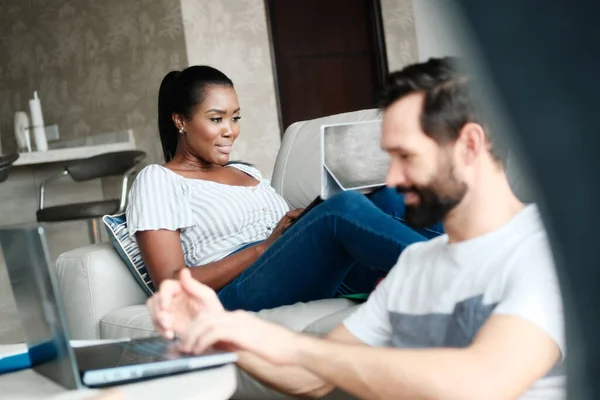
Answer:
(475, 313)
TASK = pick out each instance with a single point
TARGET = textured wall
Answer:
(232, 35)
(400, 34)
(96, 64)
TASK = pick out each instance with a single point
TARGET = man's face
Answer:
(428, 174)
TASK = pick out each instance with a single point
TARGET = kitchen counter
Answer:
(65, 154)
(69, 154)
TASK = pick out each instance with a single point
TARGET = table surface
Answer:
(68, 154)
(215, 383)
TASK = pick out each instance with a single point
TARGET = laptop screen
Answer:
(34, 288)
(352, 157)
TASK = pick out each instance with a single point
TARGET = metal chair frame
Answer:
(94, 231)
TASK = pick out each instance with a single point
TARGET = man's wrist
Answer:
(304, 347)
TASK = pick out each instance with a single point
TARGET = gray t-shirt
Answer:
(440, 294)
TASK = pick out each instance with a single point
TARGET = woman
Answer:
(225, 222)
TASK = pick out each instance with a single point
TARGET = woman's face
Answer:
(214, 126)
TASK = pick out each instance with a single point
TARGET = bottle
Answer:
(37, 122)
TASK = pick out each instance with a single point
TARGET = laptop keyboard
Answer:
(152, 347)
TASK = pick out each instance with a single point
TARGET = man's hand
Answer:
(189, 300)
(240, 330)
(178, 302)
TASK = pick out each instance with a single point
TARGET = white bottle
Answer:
(37, 122)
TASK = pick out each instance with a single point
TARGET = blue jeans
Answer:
(345, 245)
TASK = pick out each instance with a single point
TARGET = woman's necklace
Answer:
(195, 166)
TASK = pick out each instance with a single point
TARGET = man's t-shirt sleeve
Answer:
(532, 291)
(371, 322)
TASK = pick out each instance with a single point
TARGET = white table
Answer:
(215, 383)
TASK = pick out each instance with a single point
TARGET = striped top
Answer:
(214, 219)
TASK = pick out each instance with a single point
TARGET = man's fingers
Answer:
(198, 328)
(200, 292)
(165, 322)
(161, 320)
(207, 340)
(168, 289)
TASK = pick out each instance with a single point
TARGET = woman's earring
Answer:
(181, 130)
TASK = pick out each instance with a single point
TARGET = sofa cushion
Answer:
(300, 316)
(134, 321)
(127, 322)
(329, 322)
(128, 250)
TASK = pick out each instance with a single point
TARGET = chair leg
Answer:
(94, 230)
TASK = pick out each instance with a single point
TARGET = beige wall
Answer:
(232, 36)
(400, 34)
(96, 64)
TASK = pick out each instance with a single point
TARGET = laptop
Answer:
(351, 157)
(38, 302)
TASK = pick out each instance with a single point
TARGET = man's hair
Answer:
(449, 102)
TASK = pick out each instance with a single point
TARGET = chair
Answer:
(6, 162)
(123, 163)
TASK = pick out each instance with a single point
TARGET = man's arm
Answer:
(516, 346)
(508, 355)
(293, 379)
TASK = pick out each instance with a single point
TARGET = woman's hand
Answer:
(281, 226)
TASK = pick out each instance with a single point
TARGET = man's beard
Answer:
(436, 200)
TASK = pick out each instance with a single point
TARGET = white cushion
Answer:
(300, 316)
(93, 281)
(319, 317)
(127, 322)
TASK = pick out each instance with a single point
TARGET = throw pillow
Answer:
(116, 226)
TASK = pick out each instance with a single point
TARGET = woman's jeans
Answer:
(345, 245)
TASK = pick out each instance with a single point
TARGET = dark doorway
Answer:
(329, 56)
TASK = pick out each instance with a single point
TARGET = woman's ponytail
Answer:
(166, 127)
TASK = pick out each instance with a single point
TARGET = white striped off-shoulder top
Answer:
(214, 219)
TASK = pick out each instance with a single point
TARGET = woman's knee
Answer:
(388, 200)
(347, 200)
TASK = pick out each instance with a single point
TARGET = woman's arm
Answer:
(163, 257)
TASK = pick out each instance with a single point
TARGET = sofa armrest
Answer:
(93, 281)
